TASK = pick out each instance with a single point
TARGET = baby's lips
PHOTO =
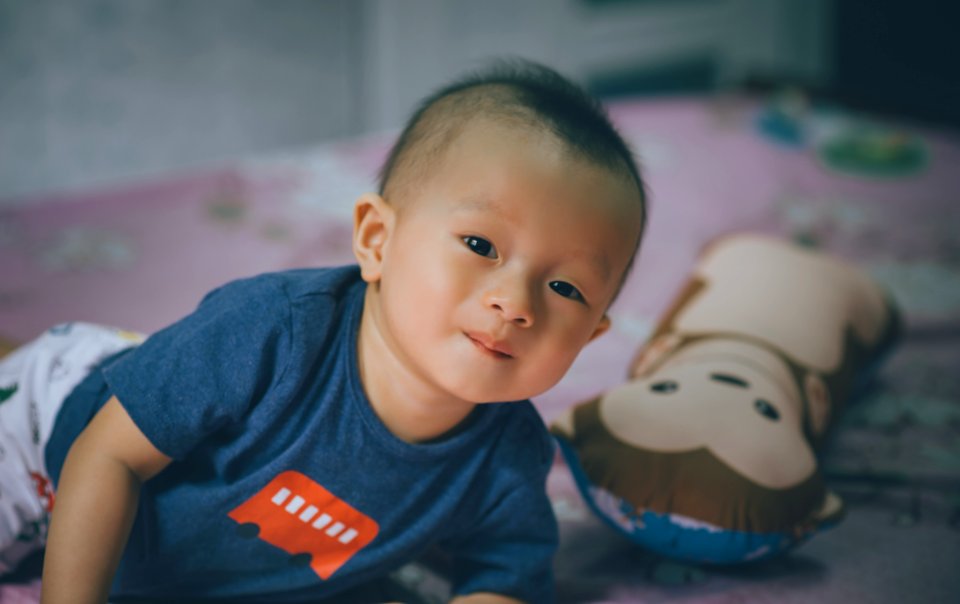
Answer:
(490, 343)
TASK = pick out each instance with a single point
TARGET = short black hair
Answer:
(522, 92)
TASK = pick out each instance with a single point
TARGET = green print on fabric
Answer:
(6, 393)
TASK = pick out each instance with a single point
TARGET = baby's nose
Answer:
(513, 302)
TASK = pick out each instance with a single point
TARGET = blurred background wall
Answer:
(100, 92)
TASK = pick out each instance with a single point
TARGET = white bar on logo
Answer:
(281, 495)
(322, 521)
(347, 536)
(334, 530)
(309, 513)
(295, 504)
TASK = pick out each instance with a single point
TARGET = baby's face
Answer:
(501, 265)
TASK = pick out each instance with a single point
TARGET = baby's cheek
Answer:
(551, 368)
(565, 356)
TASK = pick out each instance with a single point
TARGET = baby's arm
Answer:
(95, 507)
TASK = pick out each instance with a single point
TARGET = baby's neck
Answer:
(409, 408)
(418, 425)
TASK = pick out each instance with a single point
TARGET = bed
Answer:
(141, 255)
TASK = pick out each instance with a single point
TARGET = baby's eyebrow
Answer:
(480, 203)
(598, 261)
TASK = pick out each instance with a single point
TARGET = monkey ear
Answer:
(564, 424)
(818, 404)
(373, 220)
(831, 511)
(652, 354)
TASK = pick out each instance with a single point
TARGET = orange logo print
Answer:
(307, 521)
(44, 490)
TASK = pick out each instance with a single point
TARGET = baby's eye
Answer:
(566, 290)
(480, 246)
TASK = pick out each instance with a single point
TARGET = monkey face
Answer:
(729, 405)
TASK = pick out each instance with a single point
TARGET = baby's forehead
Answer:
(486, 134)
(485, 155)
(484, 142)
(471, 153)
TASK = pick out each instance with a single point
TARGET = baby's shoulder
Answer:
(291, 297)
(296, 284)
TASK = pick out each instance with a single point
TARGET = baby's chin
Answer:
(481, 386)
(499, 395)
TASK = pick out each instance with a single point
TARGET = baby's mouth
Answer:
(489, 346)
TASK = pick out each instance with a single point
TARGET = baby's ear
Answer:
(602, 327)
(372, 224)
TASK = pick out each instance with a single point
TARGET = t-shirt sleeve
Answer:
(510, 549)
(206, 370)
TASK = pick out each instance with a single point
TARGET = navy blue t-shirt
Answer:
(285, 484)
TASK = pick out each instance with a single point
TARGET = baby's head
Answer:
(508, 216)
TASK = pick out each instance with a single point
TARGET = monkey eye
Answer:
(664, 387)
(732, 380)
(766, 409)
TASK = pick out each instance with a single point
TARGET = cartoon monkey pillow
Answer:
(708, 452)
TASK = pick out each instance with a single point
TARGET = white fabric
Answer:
(35, 379)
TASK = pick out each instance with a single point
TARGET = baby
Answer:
(307, 431)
